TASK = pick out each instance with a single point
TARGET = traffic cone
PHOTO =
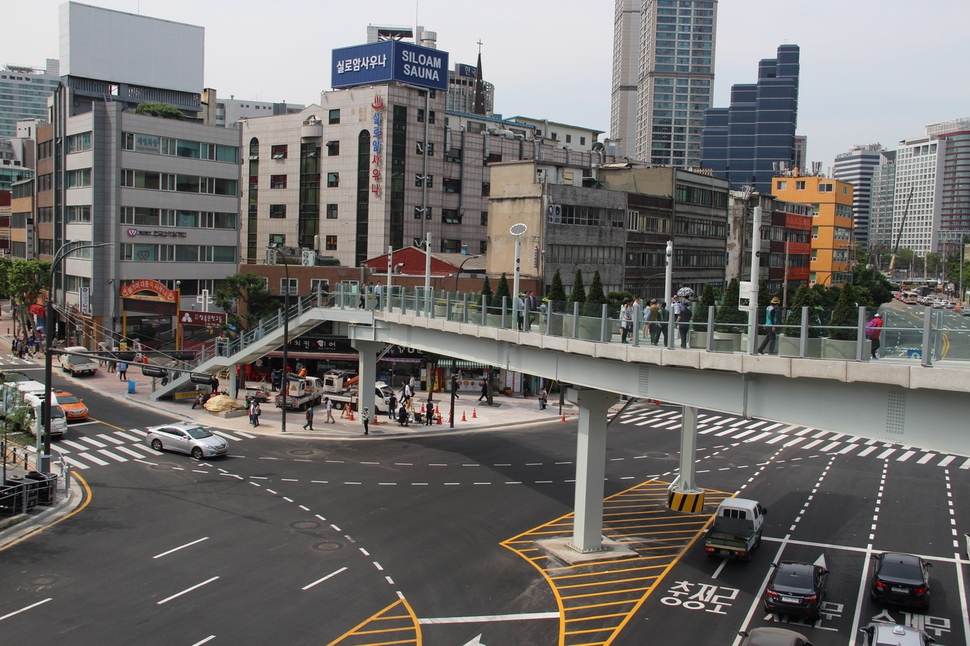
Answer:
(350, 414)
(437, 411)
(474, 414)
(450, 419)
(463, 416)
(439, 419)
(374, 421)
(563, 417)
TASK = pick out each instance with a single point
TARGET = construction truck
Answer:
(301, 392)
(341, 387)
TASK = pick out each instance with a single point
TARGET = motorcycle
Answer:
(200, 399)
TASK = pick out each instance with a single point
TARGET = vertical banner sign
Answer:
(85, 300)
(377, 144)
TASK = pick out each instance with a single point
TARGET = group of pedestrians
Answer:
(328, 406)
(656, 319)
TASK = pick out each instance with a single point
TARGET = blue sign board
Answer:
(468, 71)
(389, 60)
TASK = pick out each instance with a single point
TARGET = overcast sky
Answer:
(872, 71)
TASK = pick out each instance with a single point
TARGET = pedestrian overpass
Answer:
(905, 401)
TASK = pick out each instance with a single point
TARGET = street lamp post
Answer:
(62, 253)
(462, 266)
(284, 383)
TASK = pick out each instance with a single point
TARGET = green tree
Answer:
(5, 264)
(487, 291)
(245, 299)
(578, 295)
(845, 315)
(905, 259)
(878, 286)
(163, 110)
(27, 280)
(804, 297)
(729, 318)
(595, 298)
(699, 317)
(502, 292)
(764, 298)
(616, 298)
(556, 291)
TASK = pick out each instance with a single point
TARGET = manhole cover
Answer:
(305, 524)
(301, 452)
(327, 546)
(162, 467)
(44, 579)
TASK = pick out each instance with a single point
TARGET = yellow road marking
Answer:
(384, 628)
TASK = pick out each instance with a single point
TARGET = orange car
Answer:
(74, 408)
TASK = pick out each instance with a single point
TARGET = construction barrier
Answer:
(689, 502)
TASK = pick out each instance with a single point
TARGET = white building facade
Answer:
(856, 167)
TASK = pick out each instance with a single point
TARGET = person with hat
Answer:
(873, 330)
(771, 327)
(652, 322)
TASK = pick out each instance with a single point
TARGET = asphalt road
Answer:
(368, 542)
(903, 331)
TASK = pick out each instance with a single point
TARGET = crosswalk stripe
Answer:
(644, 422)
(947, 460)
(885, 454)
(667, 413)
(74, 463)
(134, 454)
(92, 442)
(742, 435)
(113, 456)
(111, 439)
(774, 426)
(710, 429)
(848, 449)
(776, 439)
(828, 447)
(758, 437)
(228, 436)
(758, 425)
(905, 456)
(137, 431)
(96, 460)
(711, 420)
(804, 431)
(926, 458)
(130, 438)
(740, 422)
(248, 436)
(728, 432)
(965, 465)
(74, 445)
(812, 445)
(837, 436)
(820, 435)
(866, 451)
(672, 422)
(793, 442)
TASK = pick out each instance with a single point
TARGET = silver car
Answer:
(878, 634)
(186, 438)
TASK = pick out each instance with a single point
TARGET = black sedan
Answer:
(901, 579)
(796, 589)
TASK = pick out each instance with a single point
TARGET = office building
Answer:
(882, 198)
(754, 139)
(24, 92)
(230, 111)
(469, 92)
(162, 192)
(832, 225)
(954, 193)
(916, 207)
(856, 167)
(663, 78)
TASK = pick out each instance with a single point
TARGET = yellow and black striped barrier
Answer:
(690, 502)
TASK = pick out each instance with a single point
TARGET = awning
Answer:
(325, 356)
(400, 360)
(444, 362)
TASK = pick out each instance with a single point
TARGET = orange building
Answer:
(832, 225)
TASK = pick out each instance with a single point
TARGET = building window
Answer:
(277, 211)
(450, 246)
(331, 243)
(294, 286)
(582, 141)
(800, 185)
(431, 113)
(486, 189)
(319, 285)
(484, 218)
(826, 187)
(483, 247)
(450, 185)
(429, 180)
(418, 211)
(78, 214)
(450, 216)
(279, 151)
(569, 139)
(333, 148)
(277, 239)
(331, 211)
(79, 177)
(79, 142)
(333, 180)
(277, 181)
(420, 115)
(419, 148)
(335, 116)
(783, 186)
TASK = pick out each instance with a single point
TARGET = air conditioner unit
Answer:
(308, 258)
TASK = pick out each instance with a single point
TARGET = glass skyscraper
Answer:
(748, 142)
(23, 94)
(663, 76)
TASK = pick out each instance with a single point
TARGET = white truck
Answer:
(341, 388)
(736, 530)
(78, 364)
(301, 392)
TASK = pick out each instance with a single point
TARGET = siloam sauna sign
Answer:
(389, 60)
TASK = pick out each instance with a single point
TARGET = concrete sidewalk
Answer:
(505, 411)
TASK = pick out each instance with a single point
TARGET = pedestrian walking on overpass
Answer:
(873, 330)
(771, 327)
(683, 322)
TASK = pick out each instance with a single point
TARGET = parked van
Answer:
(58, 418)
(78, 364)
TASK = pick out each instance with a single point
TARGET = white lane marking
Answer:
(228, 436)
(965, 465)
(828, 447)
(863, 589)
(181, 547)
(130, 438)
(186, 591)
(92, 442)
(96, 460)
(74, 445)
(847, 449)
(74, 463)
(926, 458)
(204, 641)
(773, 427)
(111, 439)
(248, 436)
(742, 435)
(84, 423)
(732, 430)
(113, 456)
(905, 456)
(133, 454)
(527, 616)
(666, 424)
(812, 445)
(332, 574)
(885, 454)
(776, 439)
(719, 568)
(867, 451)
(793, 442)
(137, 431)
(761, 590)
(760, 436)
(33, 605)
(947, 460)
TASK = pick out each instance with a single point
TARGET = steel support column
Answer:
(685, 495)
(590, 466)
(367, 351)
